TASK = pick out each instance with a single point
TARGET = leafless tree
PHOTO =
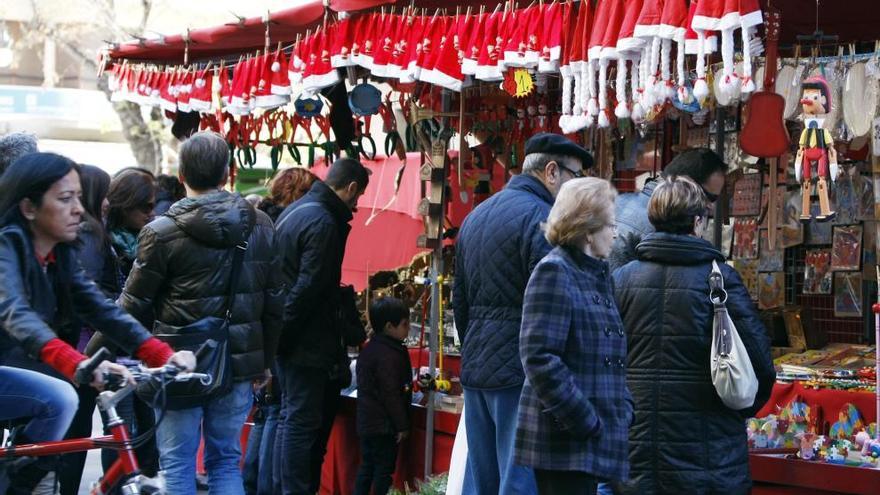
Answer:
(143, 135)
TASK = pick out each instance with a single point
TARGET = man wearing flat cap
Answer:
(498, 245)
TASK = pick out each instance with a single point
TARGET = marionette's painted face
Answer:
(813, 102)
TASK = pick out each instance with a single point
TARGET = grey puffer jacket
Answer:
(182, 275)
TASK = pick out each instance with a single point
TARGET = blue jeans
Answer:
(258, 465)
(300, 428)
(604, 489)
(490, 417)
(49, 402)
(220, 421)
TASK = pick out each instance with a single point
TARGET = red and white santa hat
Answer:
(629, 47)
(239, 103)
(727, 16)
(401, 40)
(517, 43)
(341, 54)
(279, 79)
(200, 96)
(433, 37)
(487, 62)
(225, 83)
(445, 69)
(616, 13)
(571, 50)
(167, 100)
(319, 73)
(594, 51)
(691, 45)
(420, 36)
(473, 44)
(673, 27)
(296, 64)
(266, 96)
(184, 95)
(385, 28)
(365, 33)
(551, 44)
(648, 28)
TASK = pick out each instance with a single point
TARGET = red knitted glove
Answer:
(154, 352)
(59, 355)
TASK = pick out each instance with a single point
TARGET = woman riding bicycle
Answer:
(43, 291)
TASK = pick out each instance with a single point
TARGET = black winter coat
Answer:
(182, 275)
(37, 306)
(499, 245)
(685, 440)
(384, 393)
(312, 233)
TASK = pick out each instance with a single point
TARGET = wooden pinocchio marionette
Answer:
(816, 146)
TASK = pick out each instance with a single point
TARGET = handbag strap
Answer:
(237, 262)
(717, 294)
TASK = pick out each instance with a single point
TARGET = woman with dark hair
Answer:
(43, 289)
(287, 186)
(132, 198)
(169, 190)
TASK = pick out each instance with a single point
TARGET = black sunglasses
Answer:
(577, 174)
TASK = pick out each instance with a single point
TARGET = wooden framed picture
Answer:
(846, 248)
(770, 260)
(848, 294)
(747, 196)
(818, 233)
(817, 271)
(748, 271)
(771, 290)
(745, 239)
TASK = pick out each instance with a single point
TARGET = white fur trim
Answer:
(443, 80)
(366, 61)
(638, 113)
(270, 101)
(489, 73)
(280, 90)
(319, 81)
(604, 121)
(627, 45)
(710, 45)
(468, 66)
(670, 32)
(701, 89)
(608, 52)
(198, 105)
(566, 94)
(643, 31)
(548, 66)
(751, 19)
(576, 109)
(594, 52)
(728, 21)
(621, 111)
(340, 61)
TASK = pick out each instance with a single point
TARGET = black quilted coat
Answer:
(499, 244)
(684, 439)
(182, 274)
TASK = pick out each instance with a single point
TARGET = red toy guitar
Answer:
(765, 135)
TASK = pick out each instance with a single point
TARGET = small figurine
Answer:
(807, 441)
(816, 145)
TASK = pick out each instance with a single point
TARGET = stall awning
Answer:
(852, 21)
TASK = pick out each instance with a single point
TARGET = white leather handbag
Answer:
(732, 373)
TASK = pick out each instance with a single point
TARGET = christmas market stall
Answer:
(438, 98)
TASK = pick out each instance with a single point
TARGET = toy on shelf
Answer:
(816, 145)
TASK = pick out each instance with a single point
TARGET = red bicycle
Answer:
(125, 472)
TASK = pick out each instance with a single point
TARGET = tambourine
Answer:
(308, 107)
(859, 99)
(364, 99)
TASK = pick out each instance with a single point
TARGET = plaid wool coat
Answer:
(575, 410)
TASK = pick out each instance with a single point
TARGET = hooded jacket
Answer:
(312, 233)
(685, 440)
(182, 274)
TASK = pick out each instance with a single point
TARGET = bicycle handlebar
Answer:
(85, 370)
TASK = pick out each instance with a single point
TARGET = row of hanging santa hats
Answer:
(579, 41)
(261, 81)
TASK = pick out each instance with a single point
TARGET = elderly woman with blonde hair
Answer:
(663, 298)
(575, 409)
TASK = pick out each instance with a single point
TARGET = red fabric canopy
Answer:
(238, 37)
(383, 239)
(852, 21)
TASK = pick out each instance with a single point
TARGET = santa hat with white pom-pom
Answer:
(727, 16)
(648, 28)
(200, 97)
(594, 52)
(629, 47)
(616, 13)
(673, 26)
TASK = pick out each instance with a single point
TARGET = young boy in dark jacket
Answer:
(384, 379)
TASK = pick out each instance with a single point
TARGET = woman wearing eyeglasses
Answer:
(575, 409)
